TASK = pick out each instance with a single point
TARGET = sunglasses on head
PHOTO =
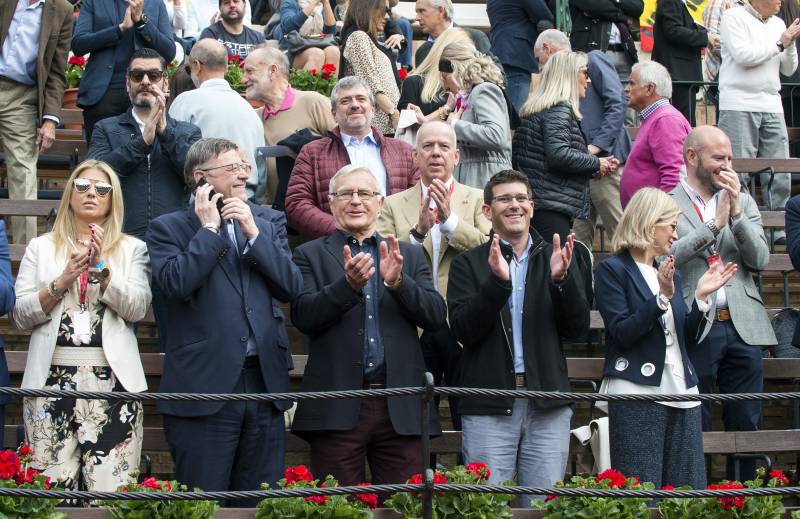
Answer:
(153, 75)
(82, 185)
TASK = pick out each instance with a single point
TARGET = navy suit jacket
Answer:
(793, 243)
(6, 302)
(97, 32)
(514, 30)
(215, 299)
(603, 108)
(634, 335)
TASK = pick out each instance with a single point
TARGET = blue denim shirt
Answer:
(518, 268)
(374, 360)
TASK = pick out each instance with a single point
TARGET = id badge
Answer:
(715, 260)
(82, 323)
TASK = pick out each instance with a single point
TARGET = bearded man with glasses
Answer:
(364, 296)
(510, 302)
(145, 146)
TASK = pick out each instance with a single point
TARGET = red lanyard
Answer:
(83, 283)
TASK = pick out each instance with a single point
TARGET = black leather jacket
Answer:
(592, 19)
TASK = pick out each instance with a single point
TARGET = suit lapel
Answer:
(687, 207)
(229, 265)
(334, 244)
(48, 15)
(636, 275)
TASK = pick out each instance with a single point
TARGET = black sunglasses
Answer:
(153, 75)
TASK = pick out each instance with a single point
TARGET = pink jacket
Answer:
(307, 205)
(657, 154)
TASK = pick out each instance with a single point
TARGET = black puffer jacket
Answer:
(549, 148)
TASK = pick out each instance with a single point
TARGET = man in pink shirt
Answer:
(657, 154)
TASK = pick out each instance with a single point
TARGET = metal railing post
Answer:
(425, 432)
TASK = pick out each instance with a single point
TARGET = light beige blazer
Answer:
(127, 299)
(401, 212)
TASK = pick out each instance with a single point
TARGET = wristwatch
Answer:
(418, 235)
(142, 22)
(780, 45)
(712, 226)
(662, 301)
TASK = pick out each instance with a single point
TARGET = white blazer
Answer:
(127, 299)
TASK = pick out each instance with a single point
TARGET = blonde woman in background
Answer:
(479, 114)
(422, 90)
(79, 290)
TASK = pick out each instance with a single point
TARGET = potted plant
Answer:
(562, 507)
(315, 507)
(73, 74)
(136, 509)
(321, 81)
(466, 505)
(15, 472)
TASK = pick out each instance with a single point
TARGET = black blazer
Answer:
(481, 321)
(331, 315)
(592, 19)
(793, 243)
(634, 335)
(214, 300)
(677, 41)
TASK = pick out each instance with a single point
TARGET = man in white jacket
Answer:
(756, 47)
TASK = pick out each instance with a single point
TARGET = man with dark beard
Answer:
(231, 31)
(145, 146)
(720, 224)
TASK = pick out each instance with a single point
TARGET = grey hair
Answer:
(347, 83)
(447, 5)
(210, 53)
(273, 56)
(348, 170)
(203, 151)
(554, 38)
(654, 73)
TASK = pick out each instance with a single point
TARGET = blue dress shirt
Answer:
(21, 46)
(367, 153)
(518, 269)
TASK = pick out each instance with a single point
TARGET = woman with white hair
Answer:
(550, 149)
(479, 115)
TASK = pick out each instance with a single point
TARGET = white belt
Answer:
(79, 356)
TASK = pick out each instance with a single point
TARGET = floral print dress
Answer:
(85, 444)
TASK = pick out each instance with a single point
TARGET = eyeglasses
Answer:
(82, 185)
(584, 71)
(236, 167)
(362, 194)
(672, 226)
(153, 75)
(507, 199)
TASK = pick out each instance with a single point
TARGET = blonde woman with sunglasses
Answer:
(79, 290)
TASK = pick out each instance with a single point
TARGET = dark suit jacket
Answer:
(215, 299)
(793, 242)
(97, 32)
(53, 50)
(592, 19)
(677, 41)
(514, 30)
(634, 335)
(6, 304)
(478, 38)
(331, 314)
(603, 108)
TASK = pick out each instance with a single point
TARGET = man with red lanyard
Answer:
(721, 224)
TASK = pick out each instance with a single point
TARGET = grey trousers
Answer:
(760, 134)
(603, 202)
(657, 443)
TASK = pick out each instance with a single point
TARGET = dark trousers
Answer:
(114, 102)
(683, 98)
(547, 223)
(443, 359)
(392, 458)
(238, 448)
(657, 443)
(726, 364)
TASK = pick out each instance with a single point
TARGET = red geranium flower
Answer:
(297, 473)
(151, 483)
(402, 73)
(667, 487)
(317, 499)
(330, 67)
(24, 450)
(479, 469)
(615, 479)
(729, 502)
(77, 60)
(9, 464)
(550, 498)
(416, 479)
(371, 500)
(235, 57)
(780, 476)
(439, 478)
(313, 72)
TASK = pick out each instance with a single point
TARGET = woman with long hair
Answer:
(79, 290)
(550, 149)
(422, 91)
(649, 329)
(479, 115)
(364, 56)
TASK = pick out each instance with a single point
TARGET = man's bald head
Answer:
(437, 128)
(701, 137)
(211, 54)
(436, 153)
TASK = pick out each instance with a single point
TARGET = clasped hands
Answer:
(360, 268)
(560, 259)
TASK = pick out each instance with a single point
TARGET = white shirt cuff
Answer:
(52, 118)
(449, 226)
(702, 305)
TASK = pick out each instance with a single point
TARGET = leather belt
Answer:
(520, 380)
(616, 47)
(251, 362)
(723, 314)
(370, 385)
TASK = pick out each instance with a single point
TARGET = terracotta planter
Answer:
(71, 101)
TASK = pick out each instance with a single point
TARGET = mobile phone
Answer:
(211, 193)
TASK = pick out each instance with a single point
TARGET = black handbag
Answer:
(295, 44)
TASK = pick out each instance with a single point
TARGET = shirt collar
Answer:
(694, 196)
(447, 184)
(136, 118)
(452, 24)
(350, 240)
(350, 139)
(647, 112)
(750, 9)
(524, 254)
(288, 102)
(214, 82)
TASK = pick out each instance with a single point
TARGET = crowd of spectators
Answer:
(450, 247)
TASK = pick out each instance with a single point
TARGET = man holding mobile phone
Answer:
(220, 276)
